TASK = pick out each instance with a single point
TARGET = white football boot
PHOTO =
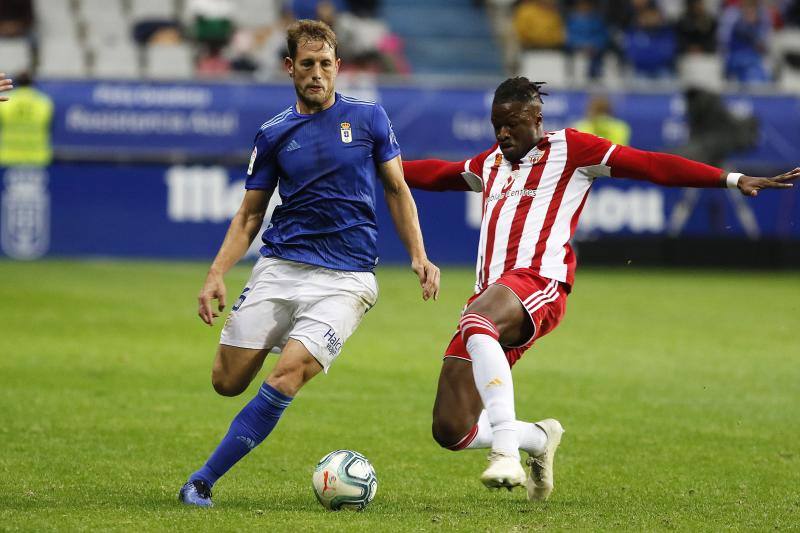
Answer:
(503, 471)
(540, 477)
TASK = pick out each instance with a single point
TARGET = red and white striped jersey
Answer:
(531, 208)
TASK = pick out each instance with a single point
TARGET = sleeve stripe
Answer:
(466, 165)
(608, 154)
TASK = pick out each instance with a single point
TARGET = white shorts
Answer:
(317, 306)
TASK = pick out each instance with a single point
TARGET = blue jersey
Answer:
(326, 167)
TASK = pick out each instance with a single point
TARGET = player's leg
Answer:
(258, 418)
(457, 406)
(495, 317)
(459, 420)
(235, 367)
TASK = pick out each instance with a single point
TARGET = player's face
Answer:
(517, 127)
(314, 70)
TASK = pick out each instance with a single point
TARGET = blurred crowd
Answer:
(650, 36)
(184, 39)
(220, 38)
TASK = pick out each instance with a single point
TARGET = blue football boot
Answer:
(197, 493)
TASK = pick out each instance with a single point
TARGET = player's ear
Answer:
(338, 64)
(288, 64)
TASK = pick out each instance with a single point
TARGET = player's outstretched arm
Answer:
(243, 229)
(404, 213)
(439, 175)
(5, 85)
(675, 171)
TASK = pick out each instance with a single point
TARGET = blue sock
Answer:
(248, 429)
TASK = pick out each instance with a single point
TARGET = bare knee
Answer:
(227, 385)
(448, 432)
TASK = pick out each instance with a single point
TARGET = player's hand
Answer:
(5, 85)
(428, 274)
(750, 185)
(213, 289)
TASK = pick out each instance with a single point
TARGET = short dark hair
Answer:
(305, 31)
(519, 89)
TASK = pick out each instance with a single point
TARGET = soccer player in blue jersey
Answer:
(314, 281)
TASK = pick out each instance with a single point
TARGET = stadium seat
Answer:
(62, 59)
(169, 62)
(545, 65)
(109, 31)
(704, 71)
(152, 10)
(100, 9)
(119, 61)
(16, 55)
(55, 19)
(256, 13)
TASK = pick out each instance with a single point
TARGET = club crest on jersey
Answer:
(252, 161)
(347, 132)
(498, 160)
(536, 156)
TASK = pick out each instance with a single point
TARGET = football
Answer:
(344, 479)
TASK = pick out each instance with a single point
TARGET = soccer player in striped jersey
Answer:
(534, 185)
(314, 280)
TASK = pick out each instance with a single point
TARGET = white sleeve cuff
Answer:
(732, 181)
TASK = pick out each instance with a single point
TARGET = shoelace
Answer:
(494, 455)
(537, 465)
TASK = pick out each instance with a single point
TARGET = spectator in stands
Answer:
(16, 18)
(587, 34)
(697, 29)
(651, 44)
(212, 21)
(363, 41)
(25, 122)
(744, 30)
(538, 24)
(162, 30)
(212, 63)
(600, 121)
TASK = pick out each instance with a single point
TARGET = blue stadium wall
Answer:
(156, 171)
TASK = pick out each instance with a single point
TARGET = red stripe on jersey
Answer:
(521, 214)
(569, 257)
(492, 228)
(552, 211)
(486, 191)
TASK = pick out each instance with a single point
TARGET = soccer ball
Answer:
(344, 479)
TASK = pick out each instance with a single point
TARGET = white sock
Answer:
(532, 438)
(493, 379)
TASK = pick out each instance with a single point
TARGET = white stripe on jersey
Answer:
(554, 167)
(351, 100)
(506, 217)
(553, 265)
(277, 119)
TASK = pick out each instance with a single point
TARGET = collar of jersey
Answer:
(303, 115)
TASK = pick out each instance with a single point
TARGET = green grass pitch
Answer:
(679, 391)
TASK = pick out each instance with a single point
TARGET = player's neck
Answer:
(309, 108)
